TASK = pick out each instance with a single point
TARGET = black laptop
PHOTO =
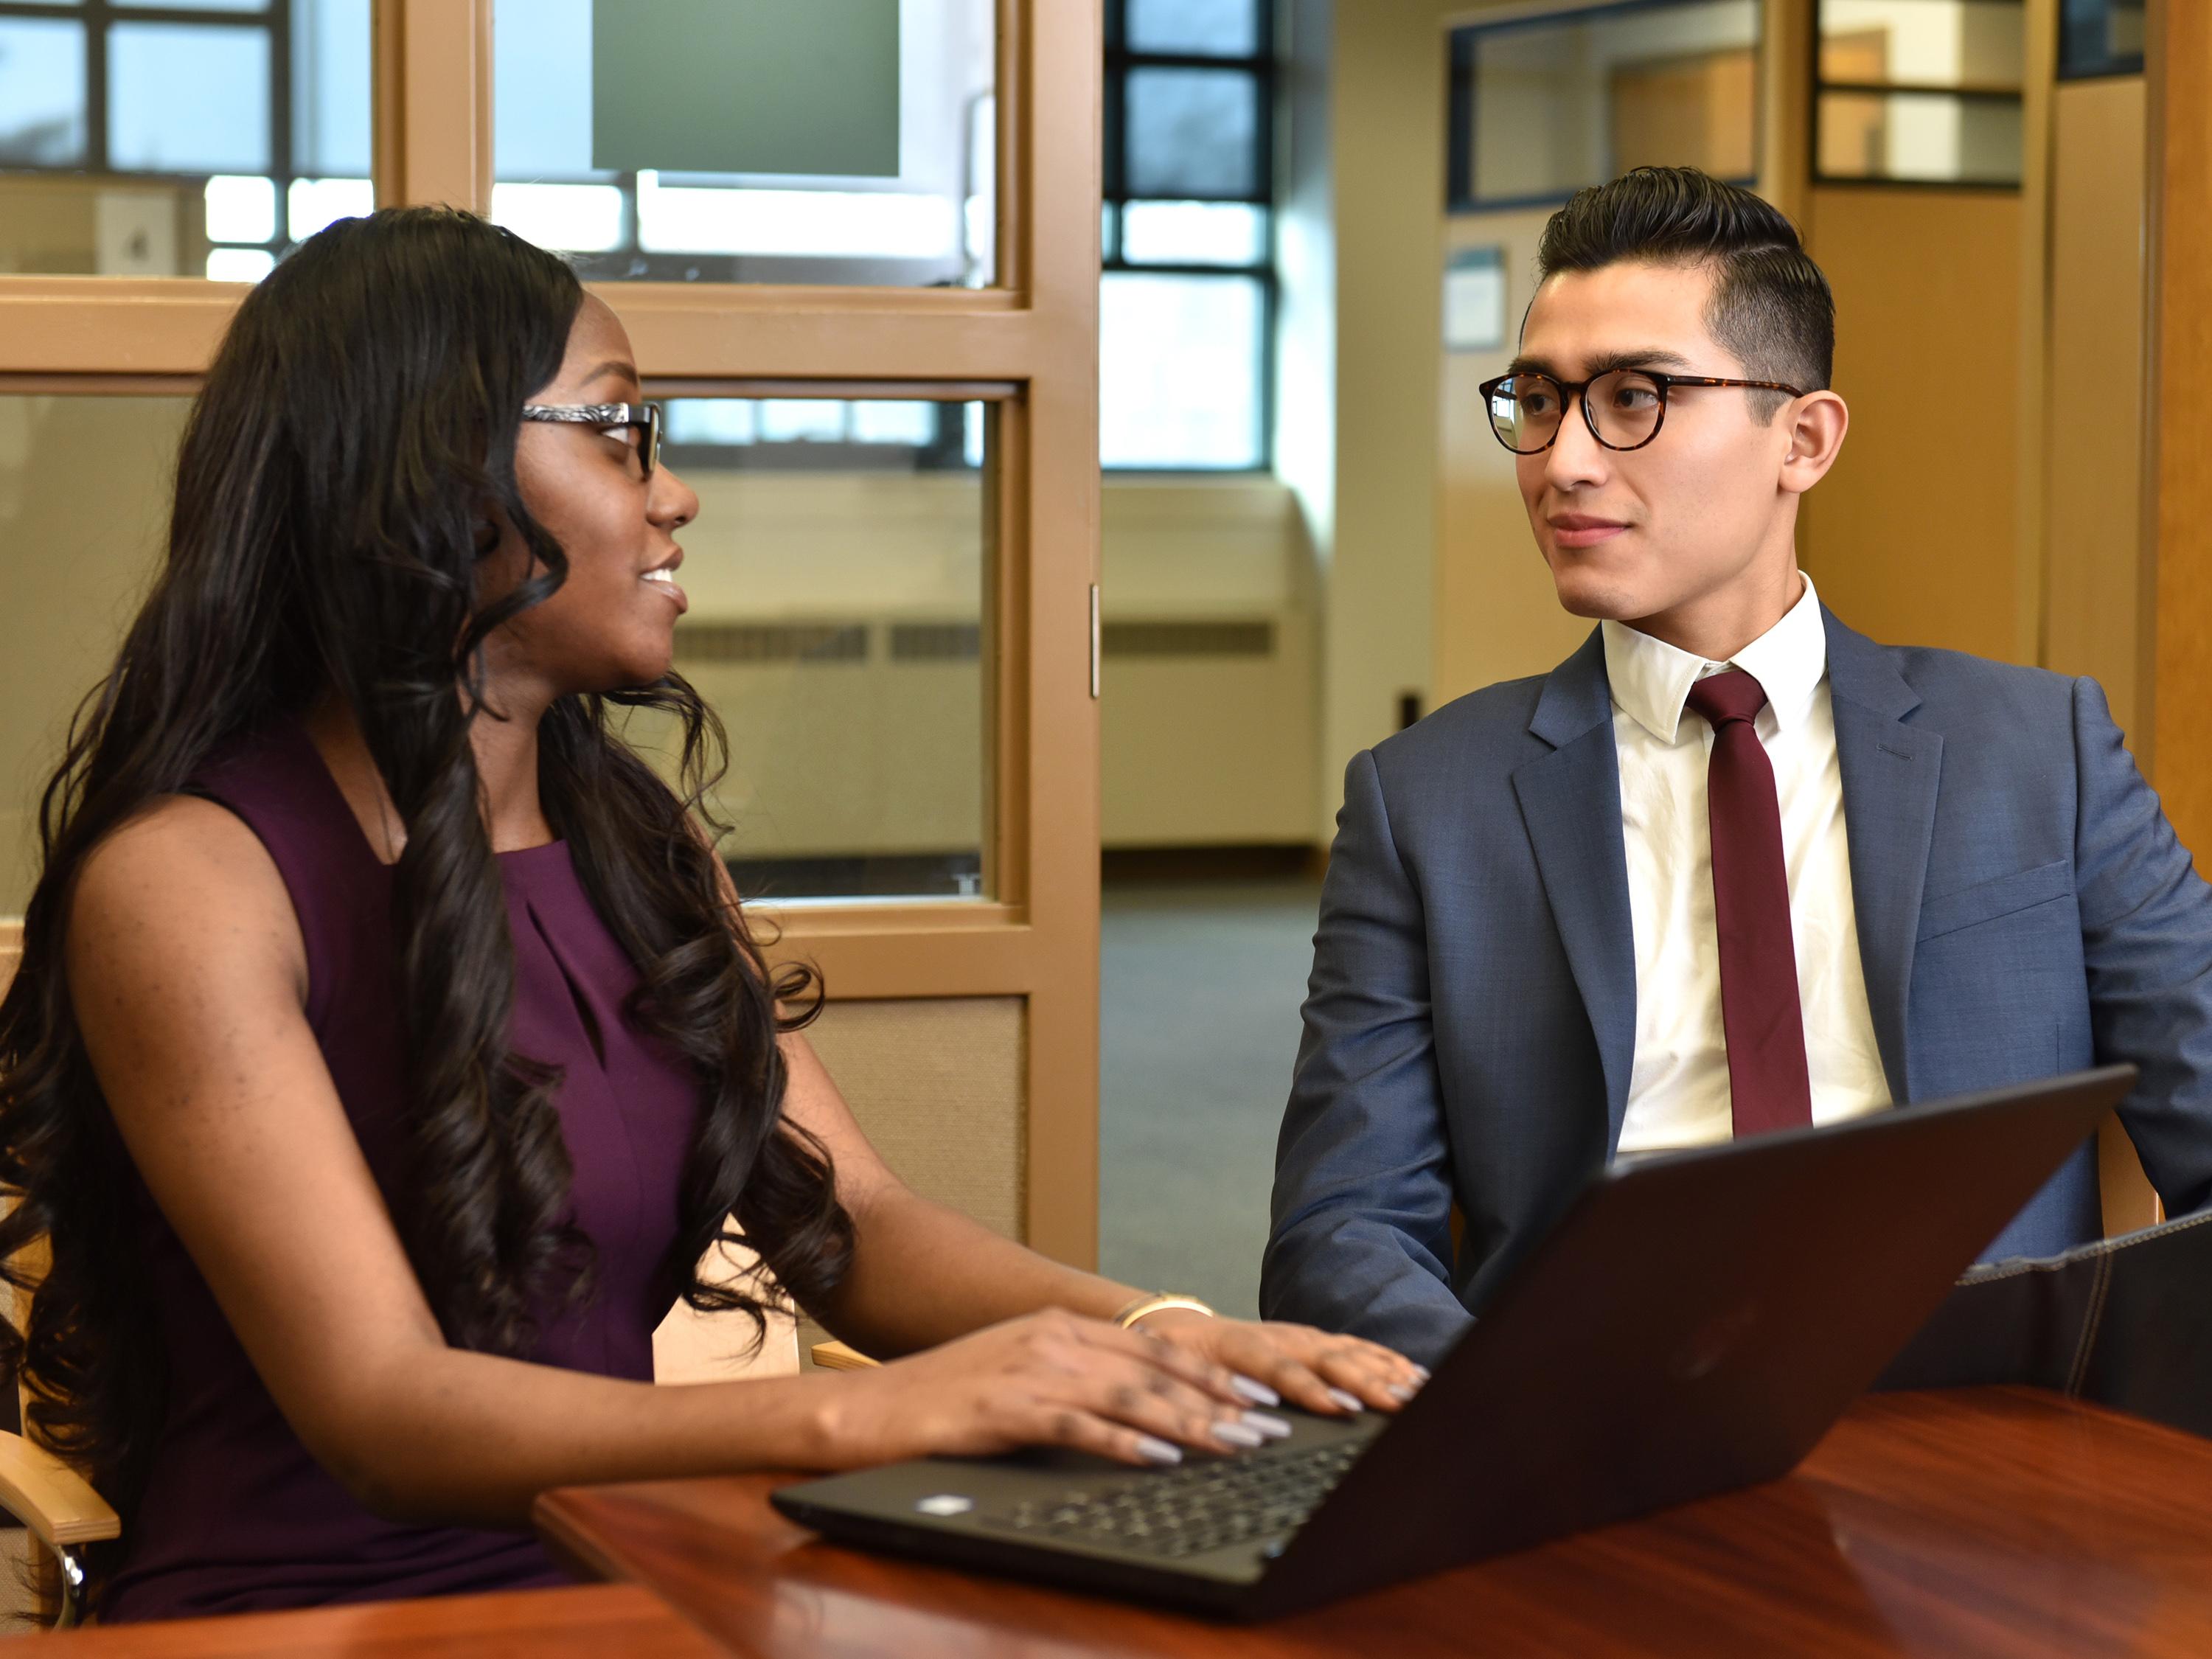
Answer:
(1694, 1323)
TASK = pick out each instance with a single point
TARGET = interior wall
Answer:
(84, 488)
(1376, 562)
(1207, 686)
(1498, 616)
(1495, 614)
(1914, 538)
(2093, 454)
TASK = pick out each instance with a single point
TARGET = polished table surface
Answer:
(1986, 1521)
(589, 1622)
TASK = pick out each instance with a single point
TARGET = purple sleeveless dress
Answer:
(237, 1514)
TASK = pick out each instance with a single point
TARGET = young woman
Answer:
(388, 1047)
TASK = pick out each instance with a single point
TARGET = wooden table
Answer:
(590, 1622)
(1988, 1521)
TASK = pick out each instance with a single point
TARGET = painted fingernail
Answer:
(1238, 1434)
(1274, 1427)
(1421, 1372)
(1157, 1451)
(1258, 1393)
(1401, 1392)
(1350, 1402)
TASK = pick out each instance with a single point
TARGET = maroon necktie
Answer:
(1769, 1086)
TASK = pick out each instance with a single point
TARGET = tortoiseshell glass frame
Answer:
(644, 416)
(1569, 391)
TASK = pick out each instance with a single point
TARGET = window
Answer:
(1188, 287)
(2100, 37)
(179, 140)
(1542, 106)
(833, 140)
(837, 574)
(1919, 92)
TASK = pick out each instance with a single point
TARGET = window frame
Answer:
(1458, 117)
(1966, 94)
(2108, 66)
(1121, 61)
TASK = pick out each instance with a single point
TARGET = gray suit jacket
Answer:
(2024, 908)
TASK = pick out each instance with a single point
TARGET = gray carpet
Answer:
(1200, 984)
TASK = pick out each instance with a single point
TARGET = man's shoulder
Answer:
(1488, 728)
(1957, 687)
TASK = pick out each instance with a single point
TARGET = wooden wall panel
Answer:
(2180, 364)
(2093, 432)
(1913, 538)
(938, 1086)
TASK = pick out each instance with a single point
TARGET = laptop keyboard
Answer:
(1250, 1499)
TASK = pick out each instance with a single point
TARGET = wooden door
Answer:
(935, 1006)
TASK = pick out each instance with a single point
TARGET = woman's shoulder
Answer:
(178, 851)
(181, 882)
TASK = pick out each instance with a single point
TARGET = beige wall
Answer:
(1389, 156)
(1497, 618)
(1360, 250)
(1201, 747)
(83, 499)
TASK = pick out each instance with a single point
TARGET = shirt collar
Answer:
(1651, 679)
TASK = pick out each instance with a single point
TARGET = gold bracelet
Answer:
(1158, 1302)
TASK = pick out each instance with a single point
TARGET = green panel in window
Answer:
(746, 86)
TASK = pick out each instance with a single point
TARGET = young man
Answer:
(1730, 868)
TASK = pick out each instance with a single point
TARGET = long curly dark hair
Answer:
(361, 415)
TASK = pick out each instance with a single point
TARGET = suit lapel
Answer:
(1571, 805)
(1891, 771)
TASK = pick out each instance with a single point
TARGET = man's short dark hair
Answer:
(1771, 305)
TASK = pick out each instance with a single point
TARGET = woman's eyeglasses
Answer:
(644, 418)
(1624, 410)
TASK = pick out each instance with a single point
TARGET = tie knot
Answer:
(1733, 695)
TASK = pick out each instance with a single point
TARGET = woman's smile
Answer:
(663, 578)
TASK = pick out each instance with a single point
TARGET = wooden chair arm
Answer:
(837, 1357)
(50, 1498)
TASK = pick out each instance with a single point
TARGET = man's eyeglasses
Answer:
(644, 418)
(1624, 410)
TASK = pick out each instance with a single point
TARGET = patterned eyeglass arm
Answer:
(586, 414)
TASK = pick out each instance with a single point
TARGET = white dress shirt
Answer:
(1678, 1088)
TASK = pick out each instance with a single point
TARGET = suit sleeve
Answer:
(2146, 943)
(1361, 1240)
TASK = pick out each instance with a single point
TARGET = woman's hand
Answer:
(1045, 1379)
(1336, 1376)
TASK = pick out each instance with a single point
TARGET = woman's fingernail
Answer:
(1421, 1372)
(1274, 1427)
(1401, 1392)
(1238, 1434)
(1157, 1451)
(1350, 1402)
(1258, 1393)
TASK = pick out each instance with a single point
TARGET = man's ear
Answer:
(1817, 424)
